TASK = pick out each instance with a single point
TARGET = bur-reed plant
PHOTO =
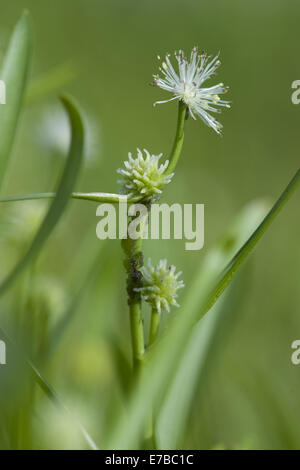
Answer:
(158, 361)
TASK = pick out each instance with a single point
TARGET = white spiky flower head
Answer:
(186, 85)
(144, 176)
(160, 285)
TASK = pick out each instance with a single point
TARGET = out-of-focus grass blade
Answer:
(172, 419)
(161, 363)
(53, 396)
(233, 266)
(63, 193)
(14, 74)
(46, 387)
(93, 197)
(51, 81)
(69, 314)
(173, 414)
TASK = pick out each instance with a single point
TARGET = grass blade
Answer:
(62, 197)
(173, 414)
(45, 386)
(53, 396)
(233, 266)
(50, 82)
(94, 197)
(162, 361)
(14, 74)
(68, 315)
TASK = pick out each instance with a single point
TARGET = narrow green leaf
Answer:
(162, 361)
(53, 396)
(45, 386)
(233, 266)
(94, 197)
(51, 81)
(14, 74)
(171, 422)
(87, 277)
(173, 414)
(62, 197)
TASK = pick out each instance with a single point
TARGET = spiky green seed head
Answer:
(160, 285)
(143, 176)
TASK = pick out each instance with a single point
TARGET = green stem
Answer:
(150, 441)
(133, 262)
(137, 334)
(96, 197)
(179, 137)
(105, 197)
(154, 326)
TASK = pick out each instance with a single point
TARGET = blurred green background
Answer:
(105, 52)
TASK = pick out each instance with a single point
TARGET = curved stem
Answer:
(179, 137)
